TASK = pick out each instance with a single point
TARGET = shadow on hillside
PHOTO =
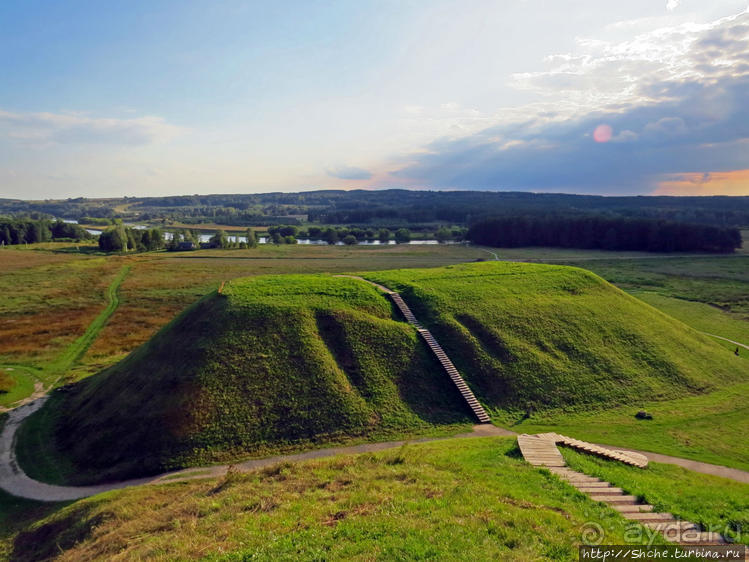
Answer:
(421, 383)
(61, 533)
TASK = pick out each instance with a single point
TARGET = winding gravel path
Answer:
(14, 481)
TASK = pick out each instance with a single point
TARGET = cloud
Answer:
(723, 183)
(671, 5)
(73, 128)
(676, 100)
(349, 173)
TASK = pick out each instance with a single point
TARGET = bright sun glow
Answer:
(602, 133)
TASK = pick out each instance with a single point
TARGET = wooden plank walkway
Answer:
(447, 365)
(627, 457)
(541, 450)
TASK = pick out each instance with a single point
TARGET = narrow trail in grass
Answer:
(74, 351)
(726, 339)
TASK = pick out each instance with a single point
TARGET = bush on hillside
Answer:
(6, 382)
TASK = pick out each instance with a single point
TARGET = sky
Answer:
(139, 98)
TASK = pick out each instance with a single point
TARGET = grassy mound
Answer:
(530, 336)
(272, 363)
(284, 361)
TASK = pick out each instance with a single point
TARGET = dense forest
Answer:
(392, 208)
(606, 233)
(28, 231)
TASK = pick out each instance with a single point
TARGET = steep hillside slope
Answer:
(538, 336)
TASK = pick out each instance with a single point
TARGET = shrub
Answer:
(6, 382)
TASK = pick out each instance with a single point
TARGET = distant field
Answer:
(52, 292)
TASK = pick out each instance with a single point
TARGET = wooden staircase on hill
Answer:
(452, 372)
(541, 450)
(447, 365)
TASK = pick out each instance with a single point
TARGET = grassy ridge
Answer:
(459, 499)
(542, 337)
(272, 364)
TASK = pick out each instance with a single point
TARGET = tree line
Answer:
(605, 233)
(29, 231)
(121, 238)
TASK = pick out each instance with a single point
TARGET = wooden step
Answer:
(633, 508)
(622, 498)
(651, 517)
(672, 527)
(594, 491)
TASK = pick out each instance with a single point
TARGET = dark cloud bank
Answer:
(678, 122)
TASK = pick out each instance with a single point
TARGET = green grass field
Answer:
(450, 500)
(280, 362)
(722, 281)
(65, 290)
(717, 504)
(21, 385)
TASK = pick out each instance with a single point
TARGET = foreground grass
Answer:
(717, 504)
(16, 515)
(710, 428)
(451, 500)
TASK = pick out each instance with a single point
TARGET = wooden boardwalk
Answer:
(541, 450)
(447, 365)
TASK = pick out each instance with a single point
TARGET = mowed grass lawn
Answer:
(458, 499)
